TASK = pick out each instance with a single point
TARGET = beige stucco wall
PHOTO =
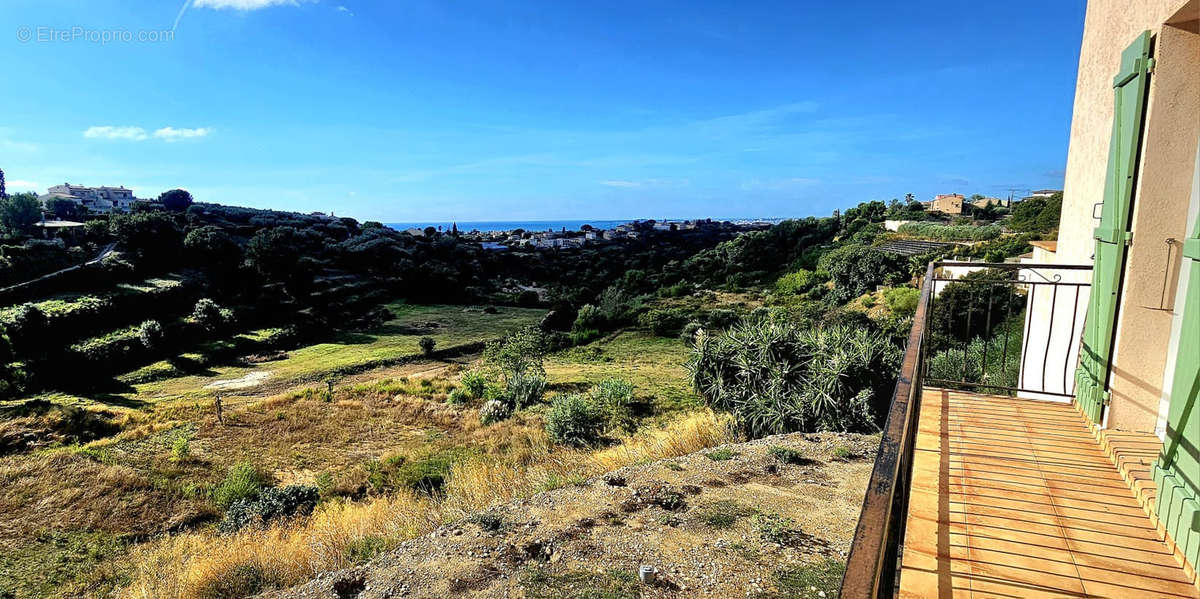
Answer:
(1164, 185)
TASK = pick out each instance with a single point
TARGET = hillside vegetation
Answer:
(238, 401)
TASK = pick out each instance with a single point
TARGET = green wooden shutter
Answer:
(1113, 234)
(1177, 475)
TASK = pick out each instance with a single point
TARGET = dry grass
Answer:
(201, 565)
(67, 491)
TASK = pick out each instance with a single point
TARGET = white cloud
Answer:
(15, 185)
(243, 4)
(173, 134)
(618, 183)
(343, 9)
(110, 132)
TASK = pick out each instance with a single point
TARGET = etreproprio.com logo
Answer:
(56, 35)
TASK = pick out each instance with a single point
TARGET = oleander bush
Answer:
(774, 377)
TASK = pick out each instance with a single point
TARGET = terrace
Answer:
(989, 481)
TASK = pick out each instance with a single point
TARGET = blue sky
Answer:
(498, 110)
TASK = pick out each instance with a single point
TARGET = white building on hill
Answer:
(100, 200)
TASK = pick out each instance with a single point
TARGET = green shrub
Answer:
(325, 484)
(664, 322)
(901, 301)
(366, 548)
(843, 452)
(584, 336)
(242, 481)
(488, 522)
(611, 399)
(774, 528)
(722, 454)
(573, 420)
(458, 397)
(427, 474)
(427, 345)
(180, 450)
(787, 455)
(795, 283)
(208, 314)
(950, 232)
(1000, 368)
(494, 410)
(677, 290)
(857, 269)
(522, 352)
(151, 334)
(589, 318)
(722, 318)
(271, 504)
(774, 377)
(474, 383)
(963, 307)
(525, 389)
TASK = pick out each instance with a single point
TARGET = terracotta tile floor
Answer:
(1015, 498)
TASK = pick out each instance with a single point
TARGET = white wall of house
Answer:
(1053, 330)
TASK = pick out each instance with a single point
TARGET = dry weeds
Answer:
(200, 565)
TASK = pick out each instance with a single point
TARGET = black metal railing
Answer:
(981, 335)
(945, 338)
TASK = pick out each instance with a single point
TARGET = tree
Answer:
(153, 236)
(64, 209)
(176, 200)
(518, 354)
(273, 252)
(19, 212)
(857, 269)
(1039, 215)
(212, 246)
(151, 334)
(427, 345)
(3, 192)
(208, 314)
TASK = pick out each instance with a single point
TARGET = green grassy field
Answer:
(394, 340)
(653, 364)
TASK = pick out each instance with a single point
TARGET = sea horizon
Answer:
(486, 226)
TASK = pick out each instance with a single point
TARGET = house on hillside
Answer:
(100, 200)
(1046, 416)
(1045, 193)
(949, 203)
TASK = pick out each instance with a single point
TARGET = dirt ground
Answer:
(714, 524)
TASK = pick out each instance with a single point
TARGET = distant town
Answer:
(67, 205)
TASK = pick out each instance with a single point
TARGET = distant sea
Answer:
(538, 225)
